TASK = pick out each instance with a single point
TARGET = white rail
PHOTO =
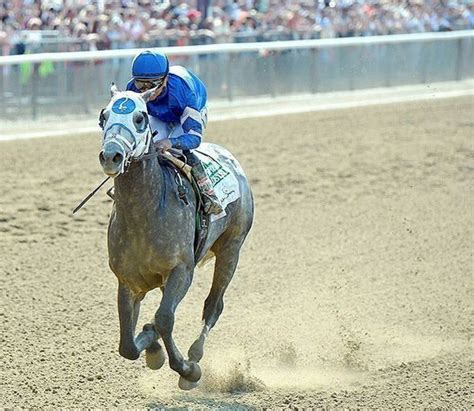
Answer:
(238, 47)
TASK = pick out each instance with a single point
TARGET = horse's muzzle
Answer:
(112, 158)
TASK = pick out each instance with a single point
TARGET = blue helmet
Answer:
(150, 64)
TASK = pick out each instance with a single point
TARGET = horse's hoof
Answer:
(155, 357)
(186, 385)
(193, 378)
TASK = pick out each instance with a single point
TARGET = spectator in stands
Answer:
(121, 24)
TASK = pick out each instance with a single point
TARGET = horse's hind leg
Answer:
(227, 257)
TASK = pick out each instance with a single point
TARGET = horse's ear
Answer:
(147, 94)
(113, 89)
(101, 119)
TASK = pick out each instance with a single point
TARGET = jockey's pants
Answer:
(172, 130)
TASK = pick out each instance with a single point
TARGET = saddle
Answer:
(202, 219)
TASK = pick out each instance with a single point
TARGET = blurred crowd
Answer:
(69, 25)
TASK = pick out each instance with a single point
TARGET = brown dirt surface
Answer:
(354, 288)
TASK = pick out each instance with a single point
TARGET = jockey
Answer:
(178, 113)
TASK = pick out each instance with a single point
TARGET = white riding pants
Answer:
(172, 130)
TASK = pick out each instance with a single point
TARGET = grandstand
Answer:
(353, 122)
(63, 25)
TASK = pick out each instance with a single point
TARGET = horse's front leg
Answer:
(129, 309)
(176, 288)
(130, 347)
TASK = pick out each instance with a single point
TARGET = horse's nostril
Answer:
(101, 157)
(117, 158)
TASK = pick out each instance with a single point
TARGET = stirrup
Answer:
(211, 203)
(111, 193)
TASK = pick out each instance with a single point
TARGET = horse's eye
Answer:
(103, 117)
(141, 121)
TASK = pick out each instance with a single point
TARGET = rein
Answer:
(180, 164)
(146, 157)
(127, 163)
(90, 195)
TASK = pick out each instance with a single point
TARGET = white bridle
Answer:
(120, 127)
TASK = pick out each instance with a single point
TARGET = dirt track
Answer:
(354, 288)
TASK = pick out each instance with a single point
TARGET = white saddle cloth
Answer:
(226, 185)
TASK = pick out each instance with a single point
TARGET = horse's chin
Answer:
(111, 172)
(113, 175)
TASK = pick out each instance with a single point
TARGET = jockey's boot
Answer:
(209, 198)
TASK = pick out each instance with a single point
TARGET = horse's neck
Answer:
(139, 189)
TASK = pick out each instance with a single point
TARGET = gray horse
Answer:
(151, 236)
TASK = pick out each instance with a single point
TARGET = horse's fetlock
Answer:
(194, 373)
(176, 364)
(130, 353)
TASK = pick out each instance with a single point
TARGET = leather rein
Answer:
(133, 160)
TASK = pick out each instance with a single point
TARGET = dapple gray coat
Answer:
(151, 243)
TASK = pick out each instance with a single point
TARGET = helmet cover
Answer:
(150, 64)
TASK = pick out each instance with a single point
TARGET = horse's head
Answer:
(126, 130)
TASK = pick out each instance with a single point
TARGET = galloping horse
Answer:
(152, 232)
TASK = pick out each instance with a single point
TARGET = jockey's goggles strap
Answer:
(147, 84)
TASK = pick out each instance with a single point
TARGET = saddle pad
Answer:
(226, 185)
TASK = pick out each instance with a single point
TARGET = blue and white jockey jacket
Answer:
(181, 102)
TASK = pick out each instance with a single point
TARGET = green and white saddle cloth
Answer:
(224, 181)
